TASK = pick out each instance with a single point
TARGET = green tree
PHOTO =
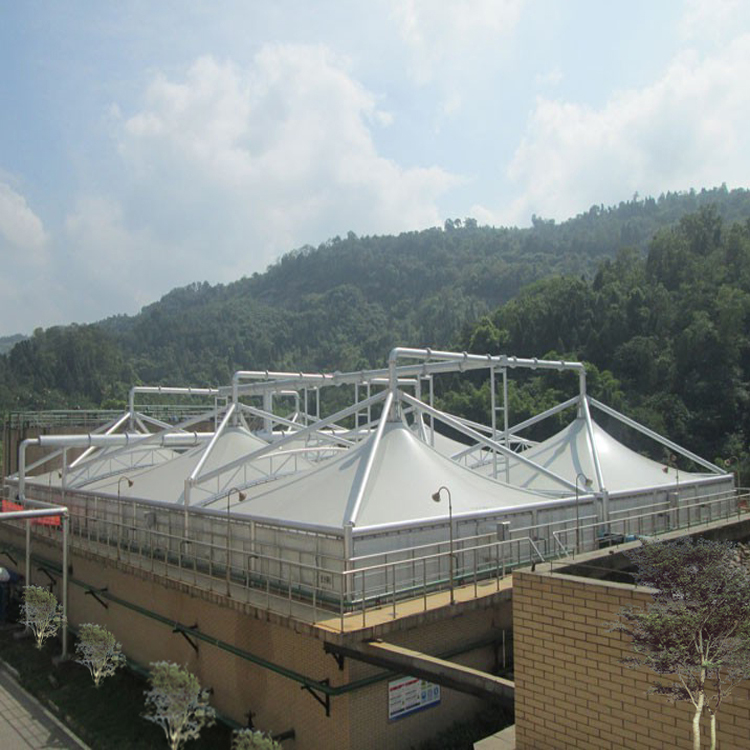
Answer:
(98, 651)
(41, 613)
(697, 629)
(249, 739)
(177, 703)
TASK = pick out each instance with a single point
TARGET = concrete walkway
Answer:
(503, 740)
(26, 725)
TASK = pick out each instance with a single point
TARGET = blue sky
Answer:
(147, 145)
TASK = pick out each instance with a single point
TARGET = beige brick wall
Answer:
(370, 727)
(239, 685)
(572, 693)
(359, 719)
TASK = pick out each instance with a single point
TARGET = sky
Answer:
(148, 145)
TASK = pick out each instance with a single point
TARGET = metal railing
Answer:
(304, 574)
(86, 417)
(421, 576)
(654, 519)
(234, 559)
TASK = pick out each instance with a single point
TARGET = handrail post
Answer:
(65, 528)
(393, 573)
(497, 565)
(475, 573)
(28, 552)
(364, 606)
(342, 577)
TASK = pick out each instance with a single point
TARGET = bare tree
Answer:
(99, 651)
(697, 629)
(41, 613)
(177, 703)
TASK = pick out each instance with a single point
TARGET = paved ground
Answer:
(504, 740)
(26, 725)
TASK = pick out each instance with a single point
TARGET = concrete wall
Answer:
(572, 693)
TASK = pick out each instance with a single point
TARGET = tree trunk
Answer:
(713, 731)
(697, 724)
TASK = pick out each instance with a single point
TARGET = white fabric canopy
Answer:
(166, 482)
(443, 444)
(110, 460)
(405, 473)
(569, 453)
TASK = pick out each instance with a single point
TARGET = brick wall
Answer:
(370, 727)
(572, 693)
(358, 720)
(278, 703)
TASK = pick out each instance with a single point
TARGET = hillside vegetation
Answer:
(666, 336)
(653, 293)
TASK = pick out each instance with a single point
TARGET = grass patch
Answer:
(107, 718)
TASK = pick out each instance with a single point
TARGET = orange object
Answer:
(43, 521)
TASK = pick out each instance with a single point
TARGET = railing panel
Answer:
(287, 568)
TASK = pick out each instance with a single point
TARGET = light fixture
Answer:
(119, 484)
(436, 497)
(240, 496)
(587, 484)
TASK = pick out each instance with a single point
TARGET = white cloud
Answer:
(219, 171)
(26, 256)
(713, 20)
(688, 129)
(549, 78)
(235, 166)
(441, 34)
(21, 231)
(92, 267)
(120, 266)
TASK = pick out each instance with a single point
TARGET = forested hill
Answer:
(666, 337)
(342, 305)
(8, 342)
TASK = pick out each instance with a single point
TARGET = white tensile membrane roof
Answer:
(366, 511)
(442, 443)
(405, 473)
(114, 462)
(569, 453)
(100, 461)
(387, 479)
(165, 482)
